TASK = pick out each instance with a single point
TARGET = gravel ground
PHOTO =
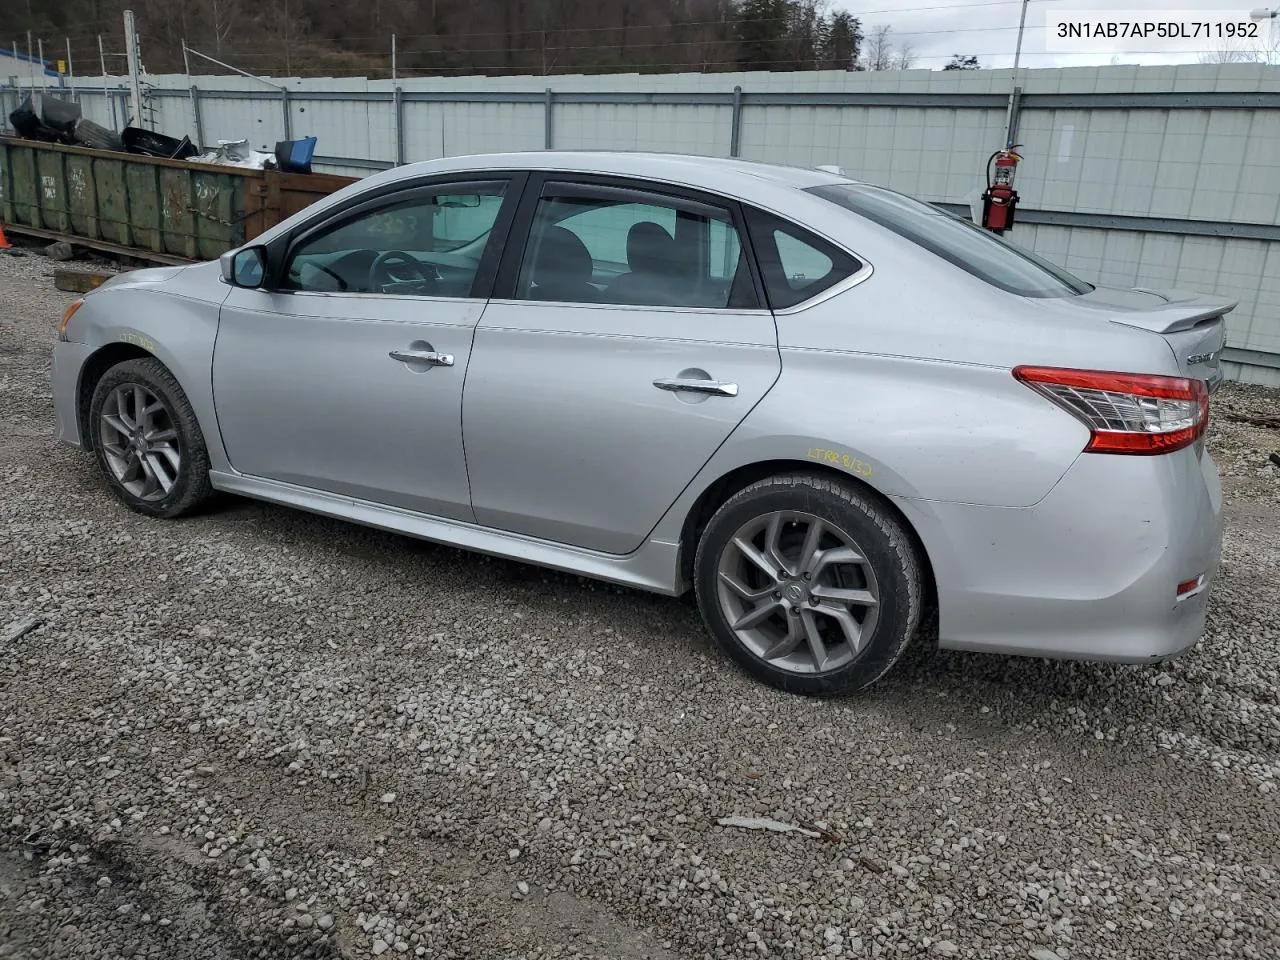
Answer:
(258, 733)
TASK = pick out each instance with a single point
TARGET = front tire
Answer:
(809, 583)
(147, 441)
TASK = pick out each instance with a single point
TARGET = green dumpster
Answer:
(165, 210)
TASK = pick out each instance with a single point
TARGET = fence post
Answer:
(288, 113)
(548, 109)
(398, 103)
(195, 110)
(735, 131)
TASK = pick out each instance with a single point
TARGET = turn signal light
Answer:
(67, 314)
(1132, 413)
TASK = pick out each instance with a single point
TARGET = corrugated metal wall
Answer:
(1180, 188)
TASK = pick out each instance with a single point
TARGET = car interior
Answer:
(658, 267)
(580, 251)
(429, 247)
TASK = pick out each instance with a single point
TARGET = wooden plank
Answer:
(105, 246)
(78, 281)
(271, 213)
(299, 190)
(253, 195)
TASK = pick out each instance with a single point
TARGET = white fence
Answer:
(1152, 176)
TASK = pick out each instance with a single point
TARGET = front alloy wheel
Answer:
(139, 442)
(147, 440)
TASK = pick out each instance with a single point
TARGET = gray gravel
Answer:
(257, 733)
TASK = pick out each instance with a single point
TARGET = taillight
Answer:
(1126, 412)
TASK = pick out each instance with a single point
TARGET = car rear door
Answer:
(347, 376)
(626, 340)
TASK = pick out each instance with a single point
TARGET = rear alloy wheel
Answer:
(809, 584)
(147, 440)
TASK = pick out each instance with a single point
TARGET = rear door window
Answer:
(797, 265)
(606, 245)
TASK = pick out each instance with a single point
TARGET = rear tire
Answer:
(147, 441)
(809, 583)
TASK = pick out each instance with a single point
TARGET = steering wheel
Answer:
(383, 271)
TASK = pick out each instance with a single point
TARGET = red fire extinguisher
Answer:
(1000, 199)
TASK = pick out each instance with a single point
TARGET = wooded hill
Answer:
(455, 37)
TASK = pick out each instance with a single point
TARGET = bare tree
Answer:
(225, 14)
(1260, 51)
(877, 48)
(879, 52)
(905, 58)
(1226, 54)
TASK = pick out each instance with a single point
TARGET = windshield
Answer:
(972, 249)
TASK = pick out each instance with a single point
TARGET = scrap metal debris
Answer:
(1253, 419)
(57, 120)
(828, 835)
(767, 823)
(35, 844)
(19, 628)
(237, 153)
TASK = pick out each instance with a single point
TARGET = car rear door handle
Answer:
(714, 388)
(423, 356)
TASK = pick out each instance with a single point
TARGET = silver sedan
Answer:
(826, 408)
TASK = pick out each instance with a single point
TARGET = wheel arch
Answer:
(93, 370)
(723, 488)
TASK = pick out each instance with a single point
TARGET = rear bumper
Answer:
(1088, 573)
(68, 361)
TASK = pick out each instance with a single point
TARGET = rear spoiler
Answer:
(1181, 311)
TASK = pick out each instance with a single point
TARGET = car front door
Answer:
(346, 375)
(627, 339)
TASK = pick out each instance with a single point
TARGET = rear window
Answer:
(972, 249)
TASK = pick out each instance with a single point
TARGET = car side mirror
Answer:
(246, 267)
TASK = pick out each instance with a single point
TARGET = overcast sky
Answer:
(937, 29)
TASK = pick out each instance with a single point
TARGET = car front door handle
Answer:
(423, 356)
(713, 388)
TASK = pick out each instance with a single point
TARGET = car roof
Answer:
(715, 173)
